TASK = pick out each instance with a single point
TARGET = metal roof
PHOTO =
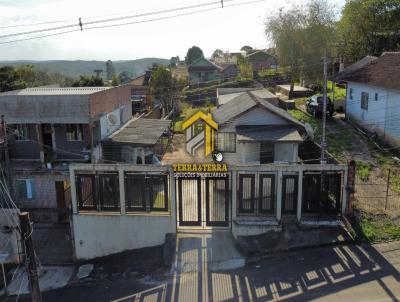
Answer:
(246, 101)
(140, 131)
(272, 133)
(55, 91)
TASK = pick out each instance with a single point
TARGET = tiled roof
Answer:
(381, 72)
(273, 133)
(55, 91)
(353, 67)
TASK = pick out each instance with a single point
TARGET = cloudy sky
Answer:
(230, 28)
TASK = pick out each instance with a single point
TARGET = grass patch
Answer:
(186, 112)
(375, 228)
(363, 170)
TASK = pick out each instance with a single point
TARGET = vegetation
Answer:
(24, 76)
(240, 82)
(165, 88)
(218, 53)
(363, 170)
(193, 54)
(368, 27)
(85, 81)
(187, 111)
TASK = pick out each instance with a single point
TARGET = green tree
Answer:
(246, 49)
(124, 77)
(110, 71)
(115, 81)
(193, 54)
(368, 27)
(164, 88)
(218, 53)
(86, 81)
(10, 79)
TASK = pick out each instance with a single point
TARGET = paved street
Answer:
(342, 273)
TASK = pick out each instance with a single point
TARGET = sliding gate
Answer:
(203, 202)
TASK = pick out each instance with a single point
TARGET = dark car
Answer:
(314, 106)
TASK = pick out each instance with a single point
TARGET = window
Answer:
(74, 132)
(25, 188)
(376, 96)
(364, 100)
(146, 192)
(226, 142)
(246, 194)
(21, 132)
(351, 93)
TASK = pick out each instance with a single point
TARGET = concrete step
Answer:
(210, 251)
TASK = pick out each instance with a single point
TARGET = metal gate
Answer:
(289, 194)
(203, 202)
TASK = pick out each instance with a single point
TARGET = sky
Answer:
(227, 28)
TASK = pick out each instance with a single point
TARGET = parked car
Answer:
(314, 106)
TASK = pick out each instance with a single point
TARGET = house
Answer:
(229, 71)
(227, 58)
(261, 60)
(140, 93)
(373, 95)
(48, 128)
(203, 70)
(251, 130)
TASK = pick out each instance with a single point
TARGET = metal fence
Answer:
(379, 192)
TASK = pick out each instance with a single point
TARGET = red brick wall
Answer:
(110, 99)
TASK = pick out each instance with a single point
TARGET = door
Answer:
(289, 194)
(217, 201)
(189, 190)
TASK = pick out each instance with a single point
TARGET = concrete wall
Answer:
(73, 149)
(32, 109)
(106, 128)
(381, 116)
(246, 153)
(25, 149)
(98, 234)
(286, 152)
(9, 235)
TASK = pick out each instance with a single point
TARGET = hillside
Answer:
(83, 67)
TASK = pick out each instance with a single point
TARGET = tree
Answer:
(246, 48)
(86, 81)
(110, 71)
(174, 61)
(193, 54)
(302, 36)
(164, 87)
(124, 77)
(115, 81)
(368, 27)
(218, 53)
(10, 79)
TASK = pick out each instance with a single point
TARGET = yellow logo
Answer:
(198, 132)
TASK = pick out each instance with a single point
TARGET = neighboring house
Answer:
(140, 93)
(227, 58)
(251, 130)
(229, 71)
(261, 60)
(48, 128)
(373, 95)
(203, 70)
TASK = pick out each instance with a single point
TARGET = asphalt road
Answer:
(341, 273)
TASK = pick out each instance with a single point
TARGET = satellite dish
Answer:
(112, 119)
(309, 130)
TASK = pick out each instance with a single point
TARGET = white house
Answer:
(373, 95)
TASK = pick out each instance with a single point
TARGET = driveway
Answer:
(341, 273)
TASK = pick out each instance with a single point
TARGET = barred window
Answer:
(21, 132)
(226, 142)
(364, 100)
(74, 132)
(246, 193)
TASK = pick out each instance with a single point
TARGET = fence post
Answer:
(387, 189)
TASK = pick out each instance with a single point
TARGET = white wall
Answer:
(98, 235)
(9, 235)
(105, 127)
(381, 116)
(246, 153)
(286, 152)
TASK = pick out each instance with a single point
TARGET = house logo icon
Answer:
(200, 131)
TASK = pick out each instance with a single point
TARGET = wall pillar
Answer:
(53, 140)
(121, 180)
(345, 190)
(74, 199)
(279, 197)
(299, 194)
(40, 141)
(234, 194)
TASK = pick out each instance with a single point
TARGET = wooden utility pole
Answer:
(323, 142)
(30, 258)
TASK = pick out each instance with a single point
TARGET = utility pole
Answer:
(6, 154)
(323, 142)
(30, 257)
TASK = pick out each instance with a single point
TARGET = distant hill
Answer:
(83, 67)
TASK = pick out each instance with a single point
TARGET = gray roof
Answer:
(353, 67)
(55, 91)
(271, 133)
(245, 101)
(140, 131)
(223, 91)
